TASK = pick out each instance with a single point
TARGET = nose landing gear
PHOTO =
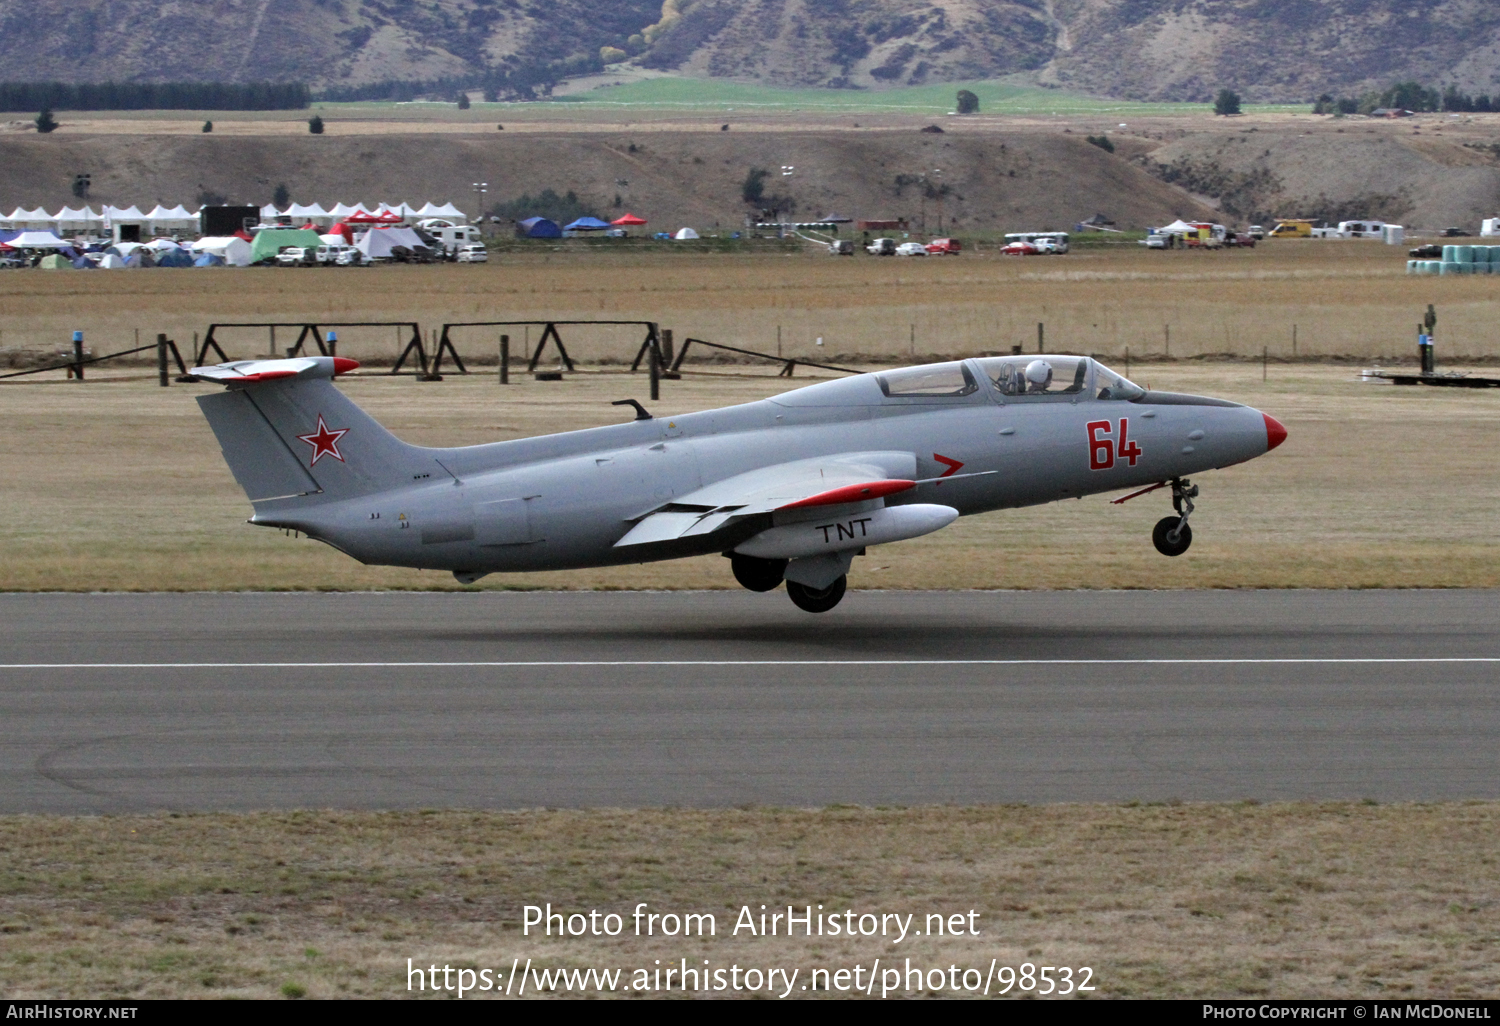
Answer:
(1172, 535)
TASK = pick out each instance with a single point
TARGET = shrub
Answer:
(282, 197)
(1102, 141)
(45, 122)
(208, 126)
(968, 103)
(315, 125)
(1227, 102)
(753, 188)
(463, 101)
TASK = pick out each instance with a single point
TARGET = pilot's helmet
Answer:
(1039, 374)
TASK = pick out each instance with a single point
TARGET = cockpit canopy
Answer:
(1004, 378)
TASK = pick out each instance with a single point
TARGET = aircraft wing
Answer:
(822, 481)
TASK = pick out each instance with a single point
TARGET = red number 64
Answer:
(1102, 451)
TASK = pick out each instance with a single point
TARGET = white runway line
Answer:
(521, 664)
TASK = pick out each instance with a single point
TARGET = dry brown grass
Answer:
(1345, 298)
(1291, 900)
(119, 485)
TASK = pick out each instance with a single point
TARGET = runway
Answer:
(133, 703)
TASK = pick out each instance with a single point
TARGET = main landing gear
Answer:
(765, 574)
(1172, 535)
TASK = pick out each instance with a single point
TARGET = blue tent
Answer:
(7, 234)
(81, 263)
(208, 260)
(175, 258)
(538, 228)
(586, 224)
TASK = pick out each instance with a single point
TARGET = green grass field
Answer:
(995, 97)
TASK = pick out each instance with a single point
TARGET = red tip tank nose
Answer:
(1275, 433)
(343, 365)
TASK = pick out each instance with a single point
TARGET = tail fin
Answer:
(291, 438)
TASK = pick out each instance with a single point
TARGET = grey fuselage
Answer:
(568, 498)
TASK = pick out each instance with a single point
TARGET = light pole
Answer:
(480, 188)
(786, 172)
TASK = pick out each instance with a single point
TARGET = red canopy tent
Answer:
(385, 218)
(628, 220)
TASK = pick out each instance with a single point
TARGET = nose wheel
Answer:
(1172, 535)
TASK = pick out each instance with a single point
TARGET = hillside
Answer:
(1270, 50)
(1004, 181)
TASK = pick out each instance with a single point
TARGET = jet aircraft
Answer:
(790, 488)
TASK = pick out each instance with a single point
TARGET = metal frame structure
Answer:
(651, 344)
(314, 329)
(789, 368)
(74, 367)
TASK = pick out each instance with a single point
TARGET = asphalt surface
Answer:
(128, 703)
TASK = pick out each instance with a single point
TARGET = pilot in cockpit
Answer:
(1038, 376)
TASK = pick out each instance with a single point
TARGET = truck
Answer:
(881, 247)
(448, 235)
(1292, 228)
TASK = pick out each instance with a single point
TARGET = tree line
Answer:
(30, 96)
(1412, 96)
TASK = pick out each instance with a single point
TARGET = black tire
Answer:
(757, 574)
(1165, 545)
(814, 600)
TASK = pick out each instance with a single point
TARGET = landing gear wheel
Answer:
(1161, 536)
(814, 600)
(757, 574)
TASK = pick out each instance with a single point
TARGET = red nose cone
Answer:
(1275, 433)
(343, 365)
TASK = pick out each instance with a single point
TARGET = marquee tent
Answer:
(37, 240)
(628, 221)
(402, 210)
(382, 218)
(308, 212)
(586, 224)
(345, 210)
(269, 211)
(230, 249)
(270, 241)
(23, 219)
(80, 220)
(538, 228)
(130, 214)
(174, 219)
(446, 210)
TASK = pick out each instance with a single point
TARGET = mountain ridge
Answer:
(1268, 50)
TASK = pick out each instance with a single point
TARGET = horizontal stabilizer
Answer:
(251, 372)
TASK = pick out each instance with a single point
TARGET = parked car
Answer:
(841, 247)
(1045, 242)
(295, 256)
(351, 257)
(882, 247)
(911, 249)
(472, 253)
(329, 255)
(944, 247)
(1244, 239)
(1255, 231)
(1456, 233)
(1431, 251)
(1019, 249)
(1160, 240)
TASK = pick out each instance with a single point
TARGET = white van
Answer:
(472, 253)
(329, 255)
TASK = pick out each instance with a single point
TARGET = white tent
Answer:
(130, 214)
(685, 233)
(341, 209)
(23, 219)
(379, 242)
(1178, 227)
(37, 240)
(399, 209)
(175, 219)
(162, 245)
(110, 262)
(234, 250)
(447, 210)
(79, 220)
(269, 211)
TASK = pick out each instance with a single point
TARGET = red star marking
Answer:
(325, 442)
(951, 464)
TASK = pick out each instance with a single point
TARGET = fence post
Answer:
(504, 359)
(161, 361)
(78, 355)
(1041, 337)
(655, 376)
(666, 347)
